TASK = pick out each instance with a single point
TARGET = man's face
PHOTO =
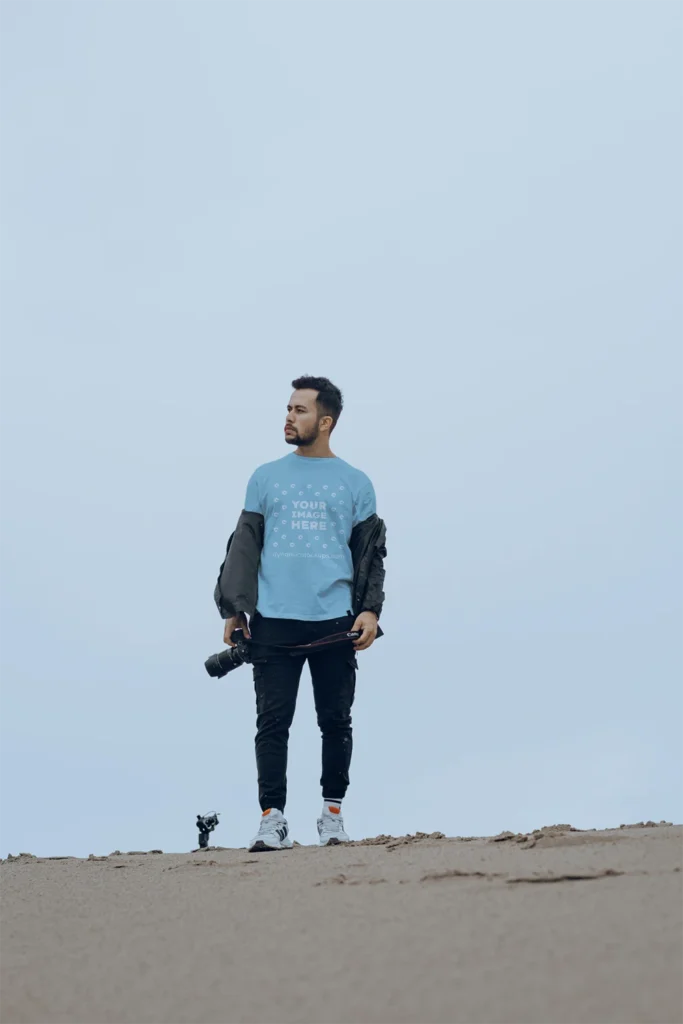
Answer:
(302, 425)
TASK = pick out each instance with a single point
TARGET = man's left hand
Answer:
(366, 624)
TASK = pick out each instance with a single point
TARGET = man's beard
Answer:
(303, 442)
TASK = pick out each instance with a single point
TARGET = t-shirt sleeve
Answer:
(252, 502)
(366, 502)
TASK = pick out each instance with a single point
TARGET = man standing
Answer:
(305, 562)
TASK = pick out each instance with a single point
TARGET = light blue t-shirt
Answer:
(310, 507)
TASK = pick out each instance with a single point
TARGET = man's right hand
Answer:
(233, 623)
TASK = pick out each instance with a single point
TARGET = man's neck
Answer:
(320, 449)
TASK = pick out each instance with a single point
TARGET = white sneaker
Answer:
(331, 828)
(273, 833)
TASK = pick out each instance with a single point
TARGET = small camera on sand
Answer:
(206, 823)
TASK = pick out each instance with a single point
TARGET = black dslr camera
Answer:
(218, 665)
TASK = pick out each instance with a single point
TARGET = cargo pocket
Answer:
(257, 669)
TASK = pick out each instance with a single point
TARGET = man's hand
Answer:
(233, 623)
(367, 624)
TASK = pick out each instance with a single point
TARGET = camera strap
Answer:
(326, 641)
(318, 645)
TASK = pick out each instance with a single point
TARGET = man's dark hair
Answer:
(330, 400)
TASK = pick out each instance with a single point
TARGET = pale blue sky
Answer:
(469, 216)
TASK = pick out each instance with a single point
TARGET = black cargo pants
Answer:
(276, 681)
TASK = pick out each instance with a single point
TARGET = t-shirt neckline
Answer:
(314, 458)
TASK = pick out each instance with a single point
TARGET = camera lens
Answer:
(218, 665)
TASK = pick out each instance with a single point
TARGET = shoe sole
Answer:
(262, 847)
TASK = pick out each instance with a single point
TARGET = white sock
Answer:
(332, 806)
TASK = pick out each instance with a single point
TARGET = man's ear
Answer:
(326, 424)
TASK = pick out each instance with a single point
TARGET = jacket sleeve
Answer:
(374, 593)
(237, 586)
(368, 550)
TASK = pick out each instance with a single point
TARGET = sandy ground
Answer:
(562, 927)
